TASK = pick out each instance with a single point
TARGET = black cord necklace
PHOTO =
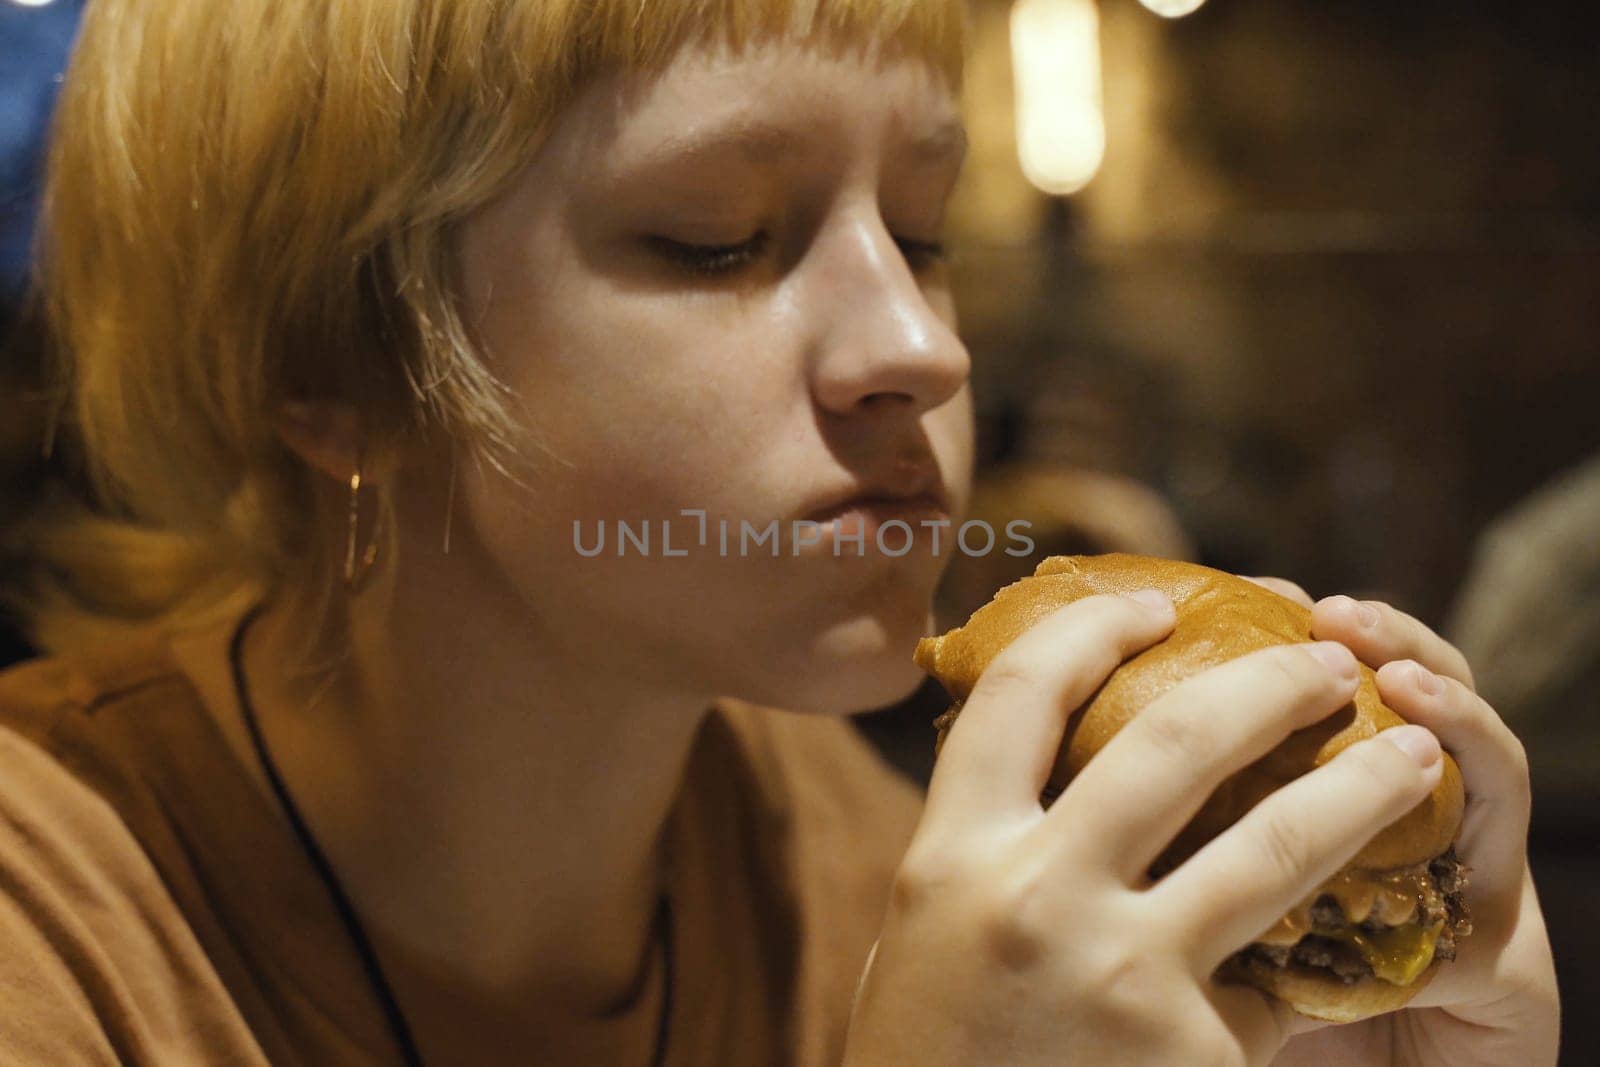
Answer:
(347, 913)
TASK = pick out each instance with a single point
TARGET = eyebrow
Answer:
(761, 142)
(757, 142)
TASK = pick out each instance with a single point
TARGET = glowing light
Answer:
(1173, 9)
(32, 3)
(1061, 127)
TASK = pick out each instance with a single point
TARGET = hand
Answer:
(1496, 1002)
(1026, 936)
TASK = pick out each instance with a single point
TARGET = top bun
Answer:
(1219, 617)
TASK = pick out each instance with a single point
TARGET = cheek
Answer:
(639, 401)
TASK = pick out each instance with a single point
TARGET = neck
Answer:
(494, 804)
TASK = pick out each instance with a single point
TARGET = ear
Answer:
(327, 436)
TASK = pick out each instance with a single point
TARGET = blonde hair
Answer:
(251, 202)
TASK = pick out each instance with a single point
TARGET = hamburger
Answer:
(1370, 937)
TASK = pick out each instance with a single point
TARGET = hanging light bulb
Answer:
(1061, 129)
(1173, 9)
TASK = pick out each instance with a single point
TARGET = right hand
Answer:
(1023, 937)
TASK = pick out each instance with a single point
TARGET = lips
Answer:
(861, 526)
(912, 485)
(883, 507)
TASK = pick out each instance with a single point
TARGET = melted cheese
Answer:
(1395, 899)
(1396, 955)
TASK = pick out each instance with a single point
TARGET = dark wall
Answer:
(1336, 294)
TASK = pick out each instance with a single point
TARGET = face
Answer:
(719, 289)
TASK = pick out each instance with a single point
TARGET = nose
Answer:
(883, 342)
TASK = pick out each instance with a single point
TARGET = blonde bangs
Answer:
(631, 35)
(251, 202)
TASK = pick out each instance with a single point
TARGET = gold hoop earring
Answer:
(352, 576)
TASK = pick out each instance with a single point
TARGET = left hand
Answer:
(1496, 1002)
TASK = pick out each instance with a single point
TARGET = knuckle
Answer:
(907, 891)
(1124, 980)
(1109, 619)
(1499, 734)
(1015, 926)
(1312, 680)
(919, 877)
(1293, 668)
(1116, 617)
(1517, 757)
(1281, 848)
(1291, 682)
(1384, 770)
(1010, 672)
(1176, 735)
(1463, 670)
(1100, 626)
(1492, 730)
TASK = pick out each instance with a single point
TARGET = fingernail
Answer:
(1335, 657)
(1416, 742)
(1154, 599)
(1426, 680)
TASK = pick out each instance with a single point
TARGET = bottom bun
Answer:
(1323, 996)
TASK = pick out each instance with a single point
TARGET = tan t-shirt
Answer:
(155, 909)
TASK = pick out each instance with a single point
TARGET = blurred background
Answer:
(1306, 288)
(34, 40)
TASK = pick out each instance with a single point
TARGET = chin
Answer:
(857, 667)
(840, 695)
(868, 690)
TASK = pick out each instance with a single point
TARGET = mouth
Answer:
(911, 483)
(891, 510)
(864, 522)
(917, 505)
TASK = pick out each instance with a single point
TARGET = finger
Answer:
(1514, 944)
(1379, 633)
(1283, 587)
(1248, 877)
(1001, 748)
(1129, 802)
(1494, 767)
(1261, 1023)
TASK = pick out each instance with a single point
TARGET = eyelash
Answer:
(712, 260)
(715, 260)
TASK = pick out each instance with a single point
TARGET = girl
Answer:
(360, 743)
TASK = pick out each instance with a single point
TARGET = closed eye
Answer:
(712, 260)
(715, 260)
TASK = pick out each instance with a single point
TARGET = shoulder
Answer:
(97, 963)
(76, 706)
(70, 729)
(87, 741)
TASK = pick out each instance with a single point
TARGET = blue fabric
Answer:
(34, 42)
